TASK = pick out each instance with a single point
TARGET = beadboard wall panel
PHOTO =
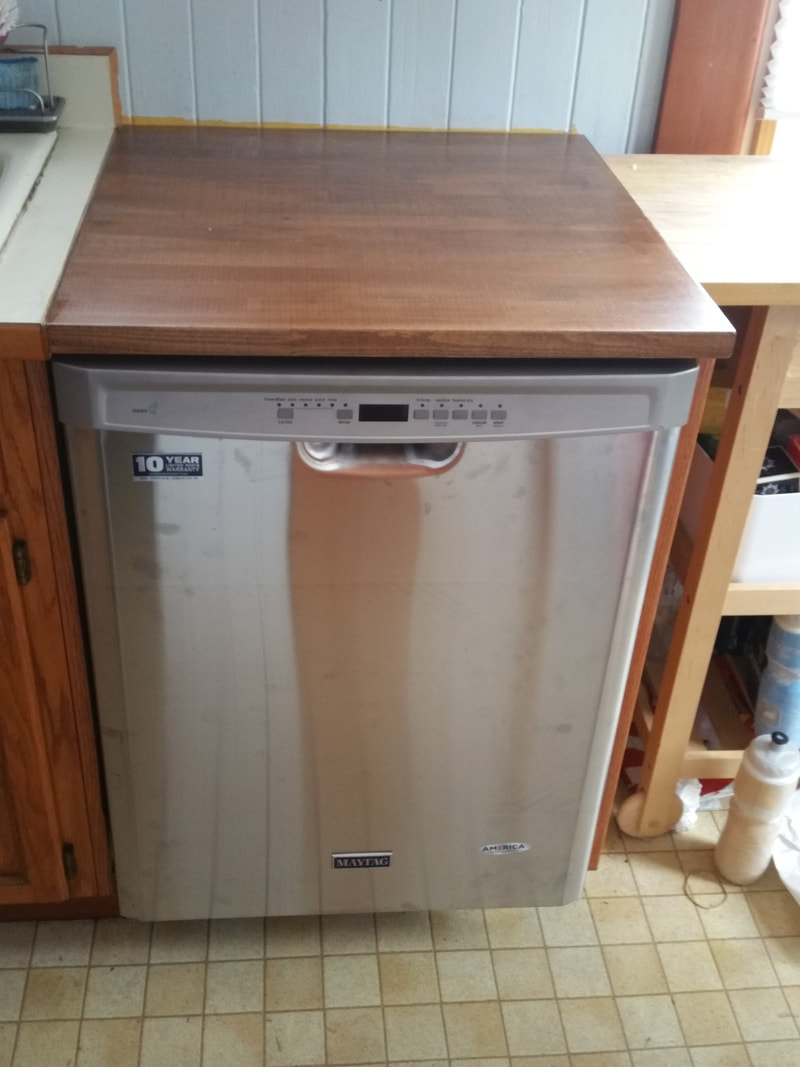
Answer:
(44, 12)
(613, 34)
(98, 24)
(292, 36)
(484, 64)
(420, 63)
(39, 12)
(357, 62)
(224, 40)
(160, 58)
(650, 75)
(596, 65)
(547, 64)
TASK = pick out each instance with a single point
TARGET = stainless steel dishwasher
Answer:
(360, 629)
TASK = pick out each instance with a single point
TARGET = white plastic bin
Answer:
(770, 546)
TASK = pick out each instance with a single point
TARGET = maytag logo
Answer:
(359, 860)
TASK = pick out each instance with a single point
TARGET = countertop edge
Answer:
(163, 340)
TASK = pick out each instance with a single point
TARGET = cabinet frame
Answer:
(46, 726)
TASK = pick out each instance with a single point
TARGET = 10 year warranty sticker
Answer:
(150, 465)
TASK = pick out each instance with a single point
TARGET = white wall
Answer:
(477, 64)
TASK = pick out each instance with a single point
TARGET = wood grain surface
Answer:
(716, 54)
(33, 872)
(46, 650)
(22, 341)
(219, 241)
(74, 757)
(732, 221)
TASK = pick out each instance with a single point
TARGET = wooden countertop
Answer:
(733, 221)
(210, 241)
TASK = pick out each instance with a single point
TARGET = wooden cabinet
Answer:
(53, 841)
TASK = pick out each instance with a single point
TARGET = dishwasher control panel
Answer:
(359, 402)
(380, 416)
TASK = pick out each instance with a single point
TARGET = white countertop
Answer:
(33, 256)
(22, 158)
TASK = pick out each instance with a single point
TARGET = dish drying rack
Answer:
(44, 111)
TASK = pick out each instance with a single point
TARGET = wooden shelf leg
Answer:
(766, 354)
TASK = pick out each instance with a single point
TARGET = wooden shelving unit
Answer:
(732, 223)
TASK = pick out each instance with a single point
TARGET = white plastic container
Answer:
(770, 547)
(762, 792)
(778, 704)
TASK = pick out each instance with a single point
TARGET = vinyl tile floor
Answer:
(657, 966)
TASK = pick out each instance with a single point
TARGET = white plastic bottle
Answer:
(778, 704)
(762, 791)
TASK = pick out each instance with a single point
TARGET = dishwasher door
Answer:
(373, 670)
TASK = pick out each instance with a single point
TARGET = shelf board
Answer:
(711, 763)
(742, 598)
(719, 706)
(762, 598)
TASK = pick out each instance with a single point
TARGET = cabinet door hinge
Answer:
(22, 561)
(70, 860)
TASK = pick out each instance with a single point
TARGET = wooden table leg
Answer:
(755, 396)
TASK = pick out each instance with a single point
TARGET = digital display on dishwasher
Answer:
(383, 412)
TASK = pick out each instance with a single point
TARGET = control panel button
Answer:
(499, 416)
(460, 413)
(285, 413)
(441, 413)
(344, 413)
(421, 413)
(479, 415)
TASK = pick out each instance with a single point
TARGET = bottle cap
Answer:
(772, 757)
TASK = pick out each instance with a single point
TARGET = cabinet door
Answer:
(31, 867)
(49, 783)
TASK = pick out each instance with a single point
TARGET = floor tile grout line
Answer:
(22, 1001)
(380, 995)
(445, 1031)
(205, 991)
(264, 996)
(85, 990)
(150, 936)
(143, 1016)
(553, 984)
(736, 1021)
(705, 940)
(608, 976)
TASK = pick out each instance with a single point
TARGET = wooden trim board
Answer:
(708, 88)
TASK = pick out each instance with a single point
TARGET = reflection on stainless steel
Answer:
(414, 460)
(420, 675)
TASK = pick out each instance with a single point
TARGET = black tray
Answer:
(26, 120)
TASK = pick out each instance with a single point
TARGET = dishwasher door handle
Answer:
(417, 460)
